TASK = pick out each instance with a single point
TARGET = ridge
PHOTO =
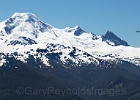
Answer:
(111, 37)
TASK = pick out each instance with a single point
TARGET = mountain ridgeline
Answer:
(39, 61)
(110, 36)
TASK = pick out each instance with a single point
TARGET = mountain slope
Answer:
(100, 84)
(26, 83)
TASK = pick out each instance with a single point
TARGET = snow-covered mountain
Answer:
(24, 35)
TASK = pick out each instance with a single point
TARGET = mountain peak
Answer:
(77, 27)
(78, 31)
(25, 22)
(109, 33)
(25, 17)
(23, 14)
(111, 37)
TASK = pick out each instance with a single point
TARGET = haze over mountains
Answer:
(69, 57)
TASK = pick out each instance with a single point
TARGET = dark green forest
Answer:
(25, 82)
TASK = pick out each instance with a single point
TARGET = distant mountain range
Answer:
(69, 55)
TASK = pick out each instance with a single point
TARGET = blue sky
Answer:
(119, 16)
